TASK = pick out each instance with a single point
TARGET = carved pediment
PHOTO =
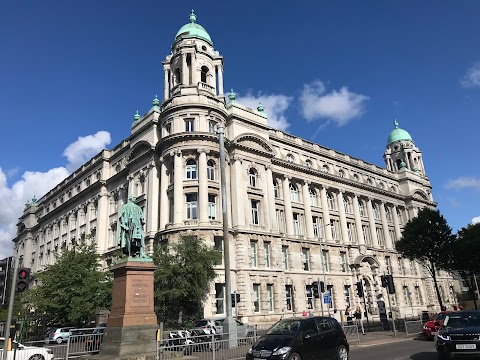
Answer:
(254, 143)
(138, 150)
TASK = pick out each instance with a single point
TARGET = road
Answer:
(413, 349)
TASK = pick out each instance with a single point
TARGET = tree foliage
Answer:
(182, 279)
(428, 239)
(74, 288)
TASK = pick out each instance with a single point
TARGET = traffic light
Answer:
(390, 284)
(235, 299)
(5, 265)
(322, 287)
(316, 294)
(23, 279)
(359, 286)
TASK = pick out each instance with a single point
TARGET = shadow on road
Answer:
(431, 355)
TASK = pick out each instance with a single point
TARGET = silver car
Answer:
(59, 335)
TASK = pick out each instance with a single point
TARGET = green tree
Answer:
(464, 257)
(428, 239)
(72, 289)
(182, 279)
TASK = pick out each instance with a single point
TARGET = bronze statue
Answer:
(131, 236)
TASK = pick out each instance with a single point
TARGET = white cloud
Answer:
(340, 106)
(275, 107)
(472, 77)
(476, 220)
(464, 182)
(36, 183)
(85, 148)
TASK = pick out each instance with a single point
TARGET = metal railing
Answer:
(413, 326)
(351, 332)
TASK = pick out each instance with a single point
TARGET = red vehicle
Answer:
(431, 327)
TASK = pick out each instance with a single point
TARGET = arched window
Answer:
(203, 75)
(276, 190)
(330, 201)
(191, 169)
(313, 197)
(293, 192)
(210, 170)
(361, 207)
(253, 176)
(290, 158)
(178, 77)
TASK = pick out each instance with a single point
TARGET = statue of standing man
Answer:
(131, 236)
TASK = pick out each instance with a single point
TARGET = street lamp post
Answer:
(323, 272)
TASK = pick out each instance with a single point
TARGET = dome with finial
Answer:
(136, 116)
(232, 96)
(155, 102)
(398, 134)
(260, 107)
(193, 30)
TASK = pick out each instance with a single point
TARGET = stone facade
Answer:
(293, 204)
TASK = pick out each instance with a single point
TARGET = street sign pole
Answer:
(321, 296)
(6, 335)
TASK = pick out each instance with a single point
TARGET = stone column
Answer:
(396, 223)
(194, 69)
(288, 206)
(371, 221)
(358, 221)
(166, 88)
(178, 201)
(152, 190)
(326, 213)
(270, 201)
(184, 69)
(237, 189)
(102, 220)
(203, 186)
(220, 80)
(307, 209)
(386, 234)
(343, 218)
(164, 204)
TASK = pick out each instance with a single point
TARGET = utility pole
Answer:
(229, 323)
(324, 274)
(6, 335)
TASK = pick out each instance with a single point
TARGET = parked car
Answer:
(92, 342)
(431, 327)
(459, 335)
(22, 352)
(304, 338)
(209, 323)
(59, 335)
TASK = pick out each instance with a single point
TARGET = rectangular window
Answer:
(388, 265)
(114, 235)
(253, 253)
(276, 190)
(297, 228)
(346, 295)
(306, 259)
(388, 214)
(343, 262)
(212, 127)
(286, 257)
(380, 237)
(289, 297)
(347, 204)
(256, 298)
(401, 268)
(332, 300)
(212, 207)
(266, 254)
(309, 296)
(418, 295)
(413, 267)
(318, 227)
(400, 216)
(168, 129)
(280, 220)
(255, 212)
(191, 205)
(366, 234)
(361, 207)
(351, 233)
(331, 201)
(270, 300)
(218, 245)
(325, 261)
(336, 229)
(170, 206)
(376, 211)
(392, 235)
(313, 198)
(406, 297)
(220, 298)
(189, 125)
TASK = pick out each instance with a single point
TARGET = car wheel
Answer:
(342, 353)
(59, 340)
(294, 356)
(36, 357)
(443, 355)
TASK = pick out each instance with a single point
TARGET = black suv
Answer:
(459, 334)
(303, 338)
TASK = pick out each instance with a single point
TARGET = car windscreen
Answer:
(439, 317)
(285, 327)
(201, 323)
(462, 320)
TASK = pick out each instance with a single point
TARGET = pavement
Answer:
(379, 337)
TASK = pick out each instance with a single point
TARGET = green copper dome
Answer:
(193, 30)
(398, 134)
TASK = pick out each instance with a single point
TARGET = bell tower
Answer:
(402, 154)
(194, 66)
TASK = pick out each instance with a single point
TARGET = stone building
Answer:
(298, 212)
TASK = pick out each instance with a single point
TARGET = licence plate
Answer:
(466, 346)
(433, 333)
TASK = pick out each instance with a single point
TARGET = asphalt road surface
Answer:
(411, 349)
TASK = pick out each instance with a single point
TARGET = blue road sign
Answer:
(327, 299)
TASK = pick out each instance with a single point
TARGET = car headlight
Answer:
(282, 350)
(250, 350)
(444, 337)
(426, 327)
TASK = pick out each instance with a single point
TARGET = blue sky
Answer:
(72, 75)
